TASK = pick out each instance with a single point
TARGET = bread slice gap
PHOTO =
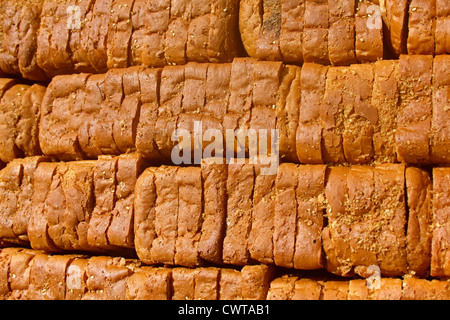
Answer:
(415, 113)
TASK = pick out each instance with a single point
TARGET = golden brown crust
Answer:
(414, 118)
(189, 219)
(241, 91)
(206, 283)
(120, 231)
(357, 290)
(125, 125)
(333, 234)
(214, 179)
(260, 242)
(397, 14)
(310, 195)
(240, 184)
(149, 284)
(309, 130)
(30, 24)
(442, 30)
(291, 30)
(47, 277)
(410, 288)
(268, 43)
(419, 230)
(315, 32)
(105, 182)
(18, 34)
(359, 114)
(341, 33)
(60, 102)
(375, 236)
(385, 97)
(27, 138)
(440, 266)
(144, 215)
(332, 115)
(368, 32)
(421, 289)
(440, 127)
(70, 202)
(285, 215)
(42, 39)
(82, 206)
(421, 27)
(9, 33)
(106, 278)
(255, 281)
(25, 198)
(281, 288)
(230, 287)
(287, 111)
(37, 227)
(10, 178)
(183, 284)
(166, 212)
(389, 186)
(32, 274)
(9, 103)
(145, 132)
(76, 278)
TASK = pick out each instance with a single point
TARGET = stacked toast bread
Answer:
(98, 99)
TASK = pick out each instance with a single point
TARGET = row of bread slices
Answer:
(42, 38)
(342, 32)
(388, 111)
(343, 219)
(27, 274)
